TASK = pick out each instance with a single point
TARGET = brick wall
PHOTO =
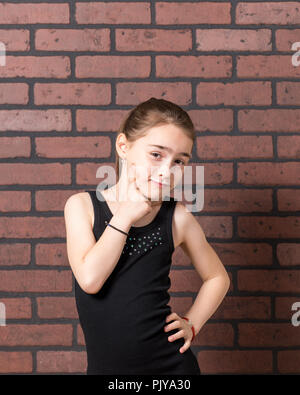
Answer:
(72, 71)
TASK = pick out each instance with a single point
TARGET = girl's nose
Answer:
(163, 172)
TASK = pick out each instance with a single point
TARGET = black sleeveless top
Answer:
(123, 324)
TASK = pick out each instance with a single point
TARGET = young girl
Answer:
(120, 252)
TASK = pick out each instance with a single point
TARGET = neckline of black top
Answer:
(136, 228)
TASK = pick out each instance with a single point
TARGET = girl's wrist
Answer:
(121, 221)
(191, 326)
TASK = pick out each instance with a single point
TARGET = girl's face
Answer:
(160, 156)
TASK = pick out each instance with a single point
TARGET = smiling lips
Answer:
(159, 183)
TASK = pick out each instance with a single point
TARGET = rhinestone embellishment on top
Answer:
(139, 244)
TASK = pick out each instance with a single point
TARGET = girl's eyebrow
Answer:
(169, 149)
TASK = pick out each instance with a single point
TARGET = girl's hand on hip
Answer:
(185, 330)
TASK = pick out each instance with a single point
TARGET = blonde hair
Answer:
(151, 113)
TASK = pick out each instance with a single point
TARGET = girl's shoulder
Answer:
(84, 200)
(182, 218)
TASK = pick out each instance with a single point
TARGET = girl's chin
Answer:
(154, 194)
(153, 197)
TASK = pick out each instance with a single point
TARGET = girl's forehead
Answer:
(166, 130)
(176, 143)
(166, 137)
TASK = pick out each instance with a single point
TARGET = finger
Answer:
(131, 175)
(172, 325)
(170, 317)
(185, 346)
(176, 336)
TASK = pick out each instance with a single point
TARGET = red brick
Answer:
(15, 40)
(15, 361)
(244, 307)
(84, 93)
(51, 254)
(113, 66)
(192, 176)
(132, 93)
(268, 227)
(215, 335)
(234, 94)
(180, 258)
(56, 307)
(80, 336)
(180, 304)
(35, 281)
(235, 361)
(288, 146)
(36, 67)
(288, 254)
(14, 93)
(219, 226)
(113, 13)
(153, 40)
(220, 120)
(269, 120)
(15, 200)
(288, 199)
(283, 307)
(72, 39)
(233, 40)
(15, 254)
(36, 335)
(192, 13)
(218, 173)
(53, 199)
(243, 200)
(73, 147)
(269, 280)
(185, 281)
(86, 173)
(231, 147)
(267, 173)
(266, 66)
(35, 173)
(61, 361)
(288, 361)
(268, 335)
(285, 38)
(17, 308)
(208, 66)
(288, 93)
(35, 120)
(34, 13)
(99, 120)
(276, 13)
(244, 254)
(13, 147)
(31, 227)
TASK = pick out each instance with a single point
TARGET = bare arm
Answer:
(216, 280)
(92, 261)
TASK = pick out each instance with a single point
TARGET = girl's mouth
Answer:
(158, 183)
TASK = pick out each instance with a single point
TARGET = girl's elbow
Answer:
(227, 281)
(89, 286)
(92, 289)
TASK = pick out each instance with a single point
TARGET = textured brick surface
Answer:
(72, 71)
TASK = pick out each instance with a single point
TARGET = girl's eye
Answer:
(182, 162)
(156, 153)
